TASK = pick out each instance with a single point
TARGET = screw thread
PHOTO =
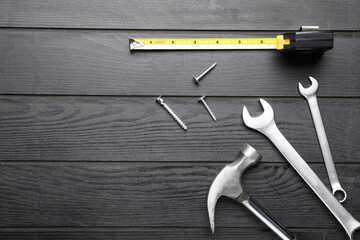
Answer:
(177, 119)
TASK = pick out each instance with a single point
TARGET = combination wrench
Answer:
(265, 124)
(310, 95)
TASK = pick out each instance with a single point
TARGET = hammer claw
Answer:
(228, 183)
(213, 196)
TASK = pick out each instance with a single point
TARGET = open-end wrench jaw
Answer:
(310, 91)
(265, 124)
(262, 121)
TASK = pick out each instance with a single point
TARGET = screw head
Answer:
(196, 80)
(202, 98)
(160, 100)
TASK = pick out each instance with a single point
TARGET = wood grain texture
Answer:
(90, 155)
(159, 196)
(139, 129)
(63, 62)
(203, 234)
(181, 15)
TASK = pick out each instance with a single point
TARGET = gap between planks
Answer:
(155, 163)
(114, 97)
(148, 229)
(343, 31)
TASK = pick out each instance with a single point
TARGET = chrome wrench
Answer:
(265, 124)
(310, 95)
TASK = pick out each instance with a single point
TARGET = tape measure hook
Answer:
(136, 44)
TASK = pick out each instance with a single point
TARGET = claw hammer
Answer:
(228, 183)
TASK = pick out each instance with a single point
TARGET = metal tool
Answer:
(265, 124)
(197, 79)
(300, 41)
(228, 183)
(310, 95)
(202, 99)
(161, 101)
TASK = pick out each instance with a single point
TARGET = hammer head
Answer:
(228, 182)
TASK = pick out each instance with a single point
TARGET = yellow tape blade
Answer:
(203, 43)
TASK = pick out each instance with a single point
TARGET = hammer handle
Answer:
(266, 218)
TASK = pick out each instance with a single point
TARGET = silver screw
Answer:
(161, 101)
(202, 99)
(197, 79)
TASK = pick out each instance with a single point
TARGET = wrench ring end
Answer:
(342, 191)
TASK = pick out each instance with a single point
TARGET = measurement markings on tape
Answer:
(296, 41)
(207, 43)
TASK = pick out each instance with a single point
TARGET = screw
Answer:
(202, 99)
(197, 79)
(161, 101)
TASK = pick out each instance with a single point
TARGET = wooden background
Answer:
(86, 153)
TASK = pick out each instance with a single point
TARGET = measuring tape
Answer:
(308, 41)
(208, 43)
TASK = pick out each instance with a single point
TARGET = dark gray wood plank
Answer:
(159, 196)
(139, 129)
(181, 15)
(173, 233)
(100, 63)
